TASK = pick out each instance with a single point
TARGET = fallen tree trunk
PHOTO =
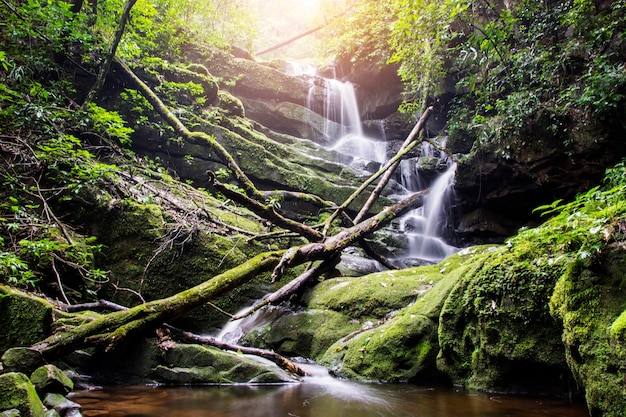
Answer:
(279, 360)
(332, 245)
(107, 331)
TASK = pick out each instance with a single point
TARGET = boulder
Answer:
(26, 319)
(50, 379)
(61, 405)
(402, 346)
(17, 392)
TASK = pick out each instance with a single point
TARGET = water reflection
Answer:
(317, 396)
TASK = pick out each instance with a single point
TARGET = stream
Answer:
(318, 395)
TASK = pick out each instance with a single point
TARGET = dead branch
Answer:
(321, 250)
(408, 144)
(279, 360)
(294, 285)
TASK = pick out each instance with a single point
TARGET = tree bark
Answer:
(108, 60)
(107, 331)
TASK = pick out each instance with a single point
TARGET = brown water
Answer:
(319, 396)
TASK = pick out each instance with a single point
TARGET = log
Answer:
(332, 245)
(107, 331)
(408, 144)
(279, 360)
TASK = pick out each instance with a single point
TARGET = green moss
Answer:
(307, 334)
(405, 346)
(374, 295)
(16, 391)
(589, 302)
(396, 351)
(26, 319)
(495, 330)
(230, 103)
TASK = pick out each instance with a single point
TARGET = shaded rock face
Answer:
(283, 102)
(499, 186)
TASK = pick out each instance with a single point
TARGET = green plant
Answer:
(16, 271)
(109, 124)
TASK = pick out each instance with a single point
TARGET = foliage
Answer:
(362, 34)
(419, 40)
(583, 227)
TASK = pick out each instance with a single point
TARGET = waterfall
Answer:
(423, 229)
(425, 226)
(343, 130)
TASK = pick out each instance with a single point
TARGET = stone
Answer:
(21, 359)
(59, 403)
(49, 378)
(25, 320)
(17, 392)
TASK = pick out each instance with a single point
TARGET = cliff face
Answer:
(498, 184)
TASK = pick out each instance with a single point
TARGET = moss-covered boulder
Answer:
(495, 329)
(26, 319)
(17, 392)
(142, 360)
(49, 378)
(306, 333)
(404, 346)
(589, 301)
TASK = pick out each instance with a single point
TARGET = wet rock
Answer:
(17, 392)
(63, 406)
(50, 379)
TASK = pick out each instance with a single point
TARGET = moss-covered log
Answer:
(110, 329)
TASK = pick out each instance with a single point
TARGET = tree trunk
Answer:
(107, 331)
(108, 60)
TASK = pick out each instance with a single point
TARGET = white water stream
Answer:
(423, 228)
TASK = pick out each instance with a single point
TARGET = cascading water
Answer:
(426, 226)
(422, 228)
(343, 129)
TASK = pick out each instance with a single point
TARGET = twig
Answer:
(136, 293)
(54, 268)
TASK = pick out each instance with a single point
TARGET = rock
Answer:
(21, 359)
(61, 405)
(404, 346)
(17, 392)
(305, 333)
(588, 301)
(50, 379)
(11, 413)
(535, 167)
(141, 361)
(53, 413)
(26, 319)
